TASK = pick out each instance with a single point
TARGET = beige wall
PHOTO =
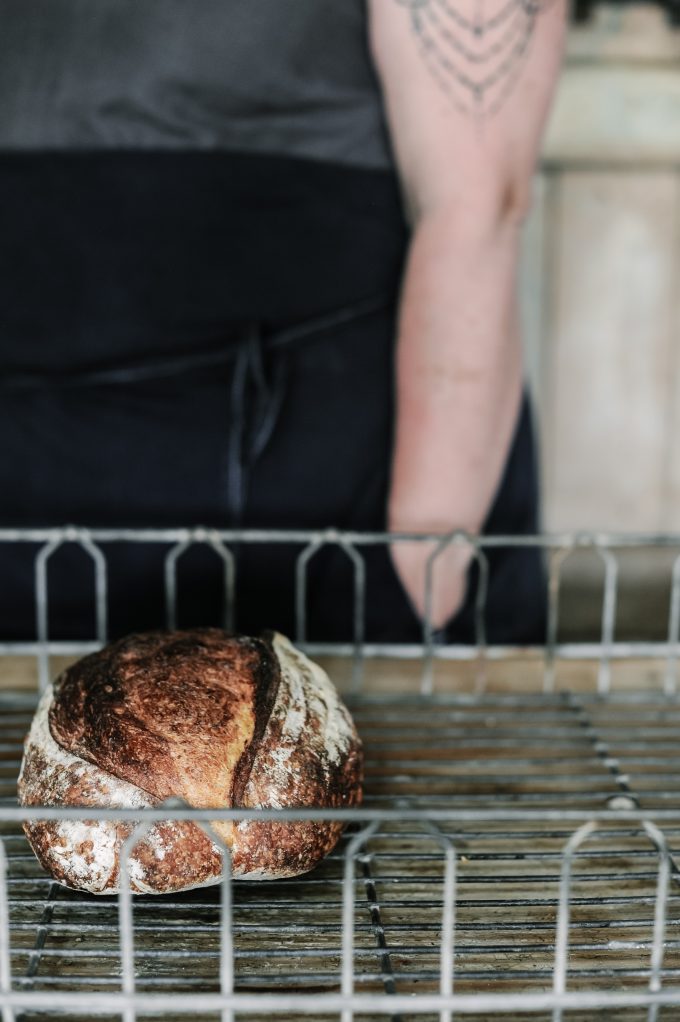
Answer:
(601, 279)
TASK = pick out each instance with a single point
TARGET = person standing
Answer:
(259, 265)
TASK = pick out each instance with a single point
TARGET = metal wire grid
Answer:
(558, 548)
(523, 773)
(514, 856)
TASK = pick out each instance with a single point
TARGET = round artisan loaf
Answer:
(216, 720)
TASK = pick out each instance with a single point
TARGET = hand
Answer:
(449, 577)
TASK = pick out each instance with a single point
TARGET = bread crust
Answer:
(216, 720)
(175, 713)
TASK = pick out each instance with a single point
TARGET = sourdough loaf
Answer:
(216, 720)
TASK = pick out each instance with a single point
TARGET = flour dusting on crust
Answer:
(63, 767)
(80, 853)
(312, 695)
(308, 755)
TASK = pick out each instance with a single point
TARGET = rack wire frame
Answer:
(434, 818)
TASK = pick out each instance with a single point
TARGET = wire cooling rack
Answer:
(514, 856)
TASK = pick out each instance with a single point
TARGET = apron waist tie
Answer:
(258, 391)
(164, 366)
(257, 385)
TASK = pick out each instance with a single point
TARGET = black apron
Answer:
(276, 428)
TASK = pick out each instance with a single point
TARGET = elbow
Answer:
(483, 210)
(514, 202)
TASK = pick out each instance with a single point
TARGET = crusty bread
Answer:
(216, 720)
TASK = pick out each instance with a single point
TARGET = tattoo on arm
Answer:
(476, 60)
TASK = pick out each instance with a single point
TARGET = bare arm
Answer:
(466, 134)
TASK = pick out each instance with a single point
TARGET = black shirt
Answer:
(272, 76)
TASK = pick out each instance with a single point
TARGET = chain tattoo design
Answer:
(475, 60)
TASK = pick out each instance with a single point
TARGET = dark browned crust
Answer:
(129, 707)
(145, 703)
(189, 858)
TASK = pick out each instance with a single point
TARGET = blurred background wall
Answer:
(601, 278)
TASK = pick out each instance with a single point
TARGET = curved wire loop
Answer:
(660, 912)
(126, 921)
(212, 539)
(333, 538)
(457, 538)
(558, 558)
(564, 911)
(82, 538)
(611, 578)
(446, 959)
(5, 961)
(354, 846)
(555, 561)
(671, 675)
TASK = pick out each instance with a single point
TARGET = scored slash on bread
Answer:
(219, 721)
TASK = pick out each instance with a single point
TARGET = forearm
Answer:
(467, 134)
(458, 380)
